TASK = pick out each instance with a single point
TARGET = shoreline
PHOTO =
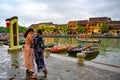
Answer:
(80, 37)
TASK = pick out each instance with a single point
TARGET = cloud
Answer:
(57, 11)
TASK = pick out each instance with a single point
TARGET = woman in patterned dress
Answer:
(38, 43)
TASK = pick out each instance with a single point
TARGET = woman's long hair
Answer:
(26, 33)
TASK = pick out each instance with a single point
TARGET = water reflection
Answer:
(62, 41)
(11, 64)
(16, 70)
(14, 59)
(4, 60)
(109, 51)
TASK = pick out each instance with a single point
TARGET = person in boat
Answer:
(38, 44)
(28, 51)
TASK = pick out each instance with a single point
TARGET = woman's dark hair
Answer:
(26, 33)
(39, 31)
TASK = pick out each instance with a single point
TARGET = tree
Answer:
(22, 28)
(43, 29)
(104, 27)
(81, 29)
(1, 29)
(4, 29)
(36, 28)
(48, 28)
(64, 29)
(55, 29)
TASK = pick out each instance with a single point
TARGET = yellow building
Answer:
(93, 28)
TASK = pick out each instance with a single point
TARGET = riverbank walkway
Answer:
(64, 68)
(59, 68)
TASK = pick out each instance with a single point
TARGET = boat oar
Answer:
(87, 47)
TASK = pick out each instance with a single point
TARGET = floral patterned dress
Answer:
(39, 53)
(28, 54)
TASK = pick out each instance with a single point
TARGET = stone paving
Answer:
(67, 70)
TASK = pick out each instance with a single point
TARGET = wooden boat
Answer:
(21, 42)
(92, 56)
(59, 48)
(89, 40)
(90, 52)
(4, 38)
(49, 45)
(7, 42)
(74, 50)
(92, 49)
(87, 49)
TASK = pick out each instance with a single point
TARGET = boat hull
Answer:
(59, 49)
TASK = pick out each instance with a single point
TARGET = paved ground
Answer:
(12, 68)
(67, 70)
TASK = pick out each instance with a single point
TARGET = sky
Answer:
(57, 11)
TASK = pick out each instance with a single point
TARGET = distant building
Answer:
(42, 25)
(82, 23)
(114, 27)
(91, 26)
(100, 19)
(59, 26)
(33, 26)
(73, 25)
(94, 24)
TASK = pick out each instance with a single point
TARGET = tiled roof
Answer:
(114, 22)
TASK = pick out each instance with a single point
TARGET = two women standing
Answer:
(34, 53)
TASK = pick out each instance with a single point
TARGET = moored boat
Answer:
(87, 49)
(74, 50)
(92, 56)
(89, 40)
(91, 50)
(49, 45)
(59, 48)
(21, 42)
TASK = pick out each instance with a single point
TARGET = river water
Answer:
(12, 64)
(109, 52)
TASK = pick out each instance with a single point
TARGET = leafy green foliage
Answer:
(55, 29)
(48, 28)
(104, 27)
(6, 29)
(81, 29)
(22, 29)
(36, 28)
(64, 28)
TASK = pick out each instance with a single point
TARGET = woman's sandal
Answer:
(31, 73)
(27, 71)
(45, 73)
(34, 76)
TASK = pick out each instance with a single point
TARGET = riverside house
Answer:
(73, 25)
